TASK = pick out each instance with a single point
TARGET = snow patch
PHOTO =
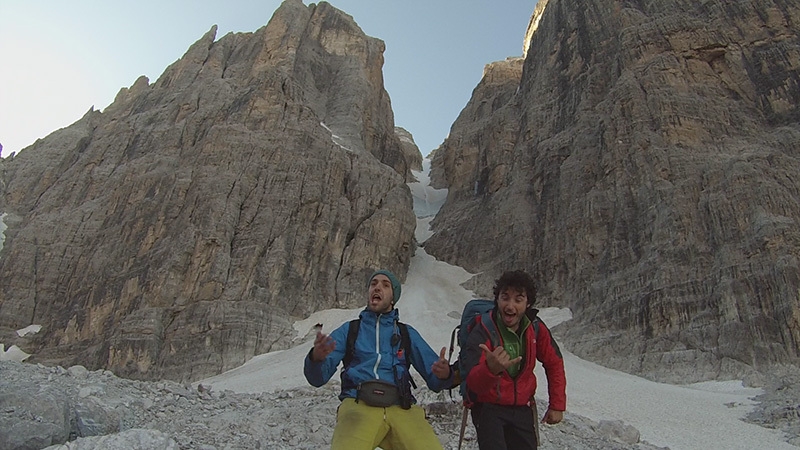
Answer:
(2, 229)
(30, 329)
(427, 200)
(14, 353)
(337, 139)
(330, 320)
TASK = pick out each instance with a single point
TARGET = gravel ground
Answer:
(779, 406)
(41, 406)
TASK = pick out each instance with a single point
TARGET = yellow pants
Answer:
(362, 427)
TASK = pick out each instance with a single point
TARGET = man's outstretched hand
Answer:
(323, 346)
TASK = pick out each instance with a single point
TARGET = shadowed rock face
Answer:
(643, 164)
(182, 230)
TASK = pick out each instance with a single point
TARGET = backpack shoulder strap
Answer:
(352, 335)
(537, 322)
(491, 328)
(484, 320)
(350, 348)
(533, 316)
(405, 341)
(405, 344)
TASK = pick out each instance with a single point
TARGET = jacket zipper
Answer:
(522, 362)
(377, 346)
(500, 378)
(521, 368)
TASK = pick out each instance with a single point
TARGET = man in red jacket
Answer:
(499, 361)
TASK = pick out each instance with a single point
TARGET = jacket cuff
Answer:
(310, 357)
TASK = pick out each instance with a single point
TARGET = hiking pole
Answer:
(450, 355)
(463, 427)
(535, 422)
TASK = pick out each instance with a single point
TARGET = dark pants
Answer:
(504, 427)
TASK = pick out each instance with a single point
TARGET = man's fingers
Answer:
(516, 360)
(321, 337)
(441, 353)
(325, 342)
(485, 348)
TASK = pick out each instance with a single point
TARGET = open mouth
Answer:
(509, 318)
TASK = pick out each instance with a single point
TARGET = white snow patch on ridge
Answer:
(336, 139)
(2, 229)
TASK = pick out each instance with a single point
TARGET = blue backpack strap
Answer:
(494, 338)
(472, 310)
(491, 328)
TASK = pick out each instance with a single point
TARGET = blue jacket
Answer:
(374, 356)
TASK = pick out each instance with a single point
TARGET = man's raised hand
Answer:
(441, 368)
(323, 346)
(498, 360)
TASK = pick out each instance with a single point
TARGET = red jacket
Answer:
(485, 387)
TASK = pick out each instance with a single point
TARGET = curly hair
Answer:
(516, 279)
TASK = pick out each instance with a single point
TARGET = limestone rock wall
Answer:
(183, 229)
(645, 169)
(411, 152)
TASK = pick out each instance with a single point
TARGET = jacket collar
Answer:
(504, 331)
(372, 317)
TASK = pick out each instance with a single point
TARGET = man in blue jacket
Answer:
(377, 406)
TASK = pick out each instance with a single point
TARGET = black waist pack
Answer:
(378, 393)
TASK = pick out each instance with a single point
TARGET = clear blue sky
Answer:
(59, 58)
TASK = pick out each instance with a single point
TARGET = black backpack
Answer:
(403, 383)
(473, 310)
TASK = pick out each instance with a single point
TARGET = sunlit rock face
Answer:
(643, 164)
(411, 152)
(182, 230)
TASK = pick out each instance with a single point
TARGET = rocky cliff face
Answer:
(411, 153)
(183, 229)
(643, 164)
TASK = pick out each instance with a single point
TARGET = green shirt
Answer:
(513, 342)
